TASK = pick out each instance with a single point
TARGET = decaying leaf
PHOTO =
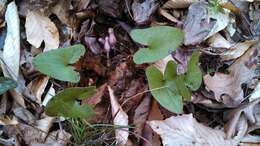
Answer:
(40, 28)
(237, 50)
(37, 88)
(120, 119)
(185, 130)
(227, 87)
(177, 4)
(143, 11)
(50, 94)
(202, 22)
(10, 59)
(256, 93)
(246, 112)
(148, 133)
(141, 115)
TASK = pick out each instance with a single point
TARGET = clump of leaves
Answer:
(6, 84)
(169, 88)
(57, 63)
(66, 103)
(160, 41)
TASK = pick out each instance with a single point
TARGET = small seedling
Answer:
(215, 6)
(160, 41)
(66, 103)
(169, 88)
(57, 63)
(6, 84)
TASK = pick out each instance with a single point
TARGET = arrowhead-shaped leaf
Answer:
(65, 103)
(193, 76)
(57, 63)
(6, 84)
(160, 41)
(164, 88)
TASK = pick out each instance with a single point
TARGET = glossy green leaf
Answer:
(193, 76)
(164, 91)
(58, 63)
(6, 84)
(160, 41)
(65, 103)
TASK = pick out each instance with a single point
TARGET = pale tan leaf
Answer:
(185, 130)
(175, 4)
(218, 41)
(256, 93)
(40, 28)
(37, 87)
(246, 112)
(227, 87)
(168, 16)
(7, 121)
(11, 52)
(48, 96)
(120, 119)
(237, 50)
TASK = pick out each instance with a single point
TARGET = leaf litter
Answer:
(56, 53)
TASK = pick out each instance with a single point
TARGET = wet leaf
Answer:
(57, 63)
(65, 103)
(6, 84)
(160, 41)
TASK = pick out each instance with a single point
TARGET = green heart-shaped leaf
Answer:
(6, 84)
(65, 103)
(57, 63)
(193, 76)
(164, 88)
(160, 41)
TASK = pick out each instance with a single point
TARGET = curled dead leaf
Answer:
(185, 130)
(120, 119)
(176, 4)
(227, 87)
(40, 28)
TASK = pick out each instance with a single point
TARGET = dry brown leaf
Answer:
(7, 121)
(237, 50)
(169, 16)
(185, 130)
(24, 114)
(120, 119)
(94, 100)
(176, 4)
(148, 133)
(61, 10)
(40, 28)
(245, 115)
(143, 11)
(218, 41)
(37, 87)
(227, 87)
(141, 115)
(55, 138)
